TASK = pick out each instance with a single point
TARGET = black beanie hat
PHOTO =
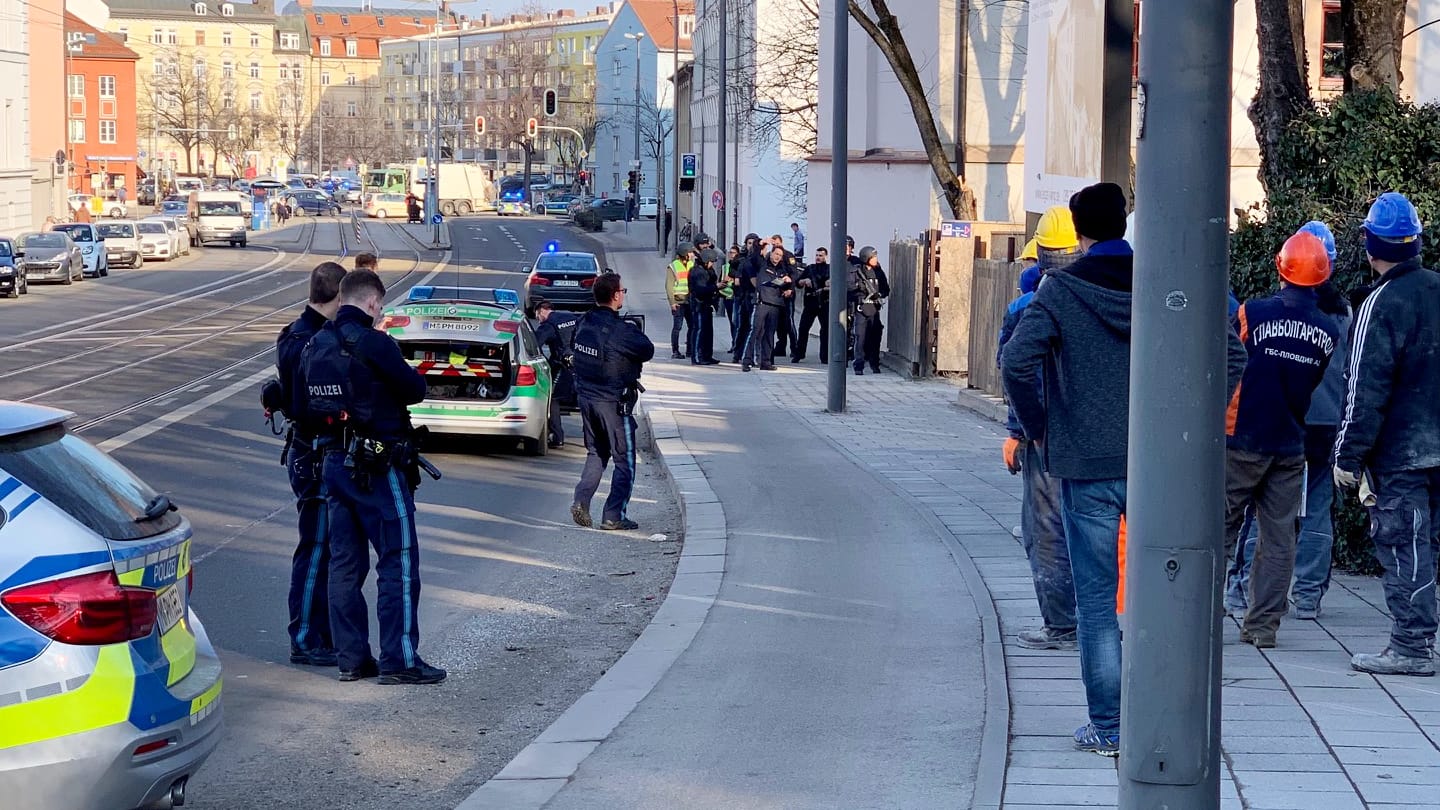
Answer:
(1099, 212)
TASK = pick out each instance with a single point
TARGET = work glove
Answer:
(1344, 479)
(1014, 450)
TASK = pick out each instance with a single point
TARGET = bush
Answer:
(1335, 161)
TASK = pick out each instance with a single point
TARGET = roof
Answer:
(97, 44)
(658, 18)
(366, 28)
(19, 417)
(185, 9)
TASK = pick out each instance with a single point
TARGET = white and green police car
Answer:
(484, 372)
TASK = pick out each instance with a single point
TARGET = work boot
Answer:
(1390, 662)
(676, 355)
(421, 673)
(369, 669)
(581, 515)
(1259, 641)
(621, 525)
(312, 658)
(1043, 638)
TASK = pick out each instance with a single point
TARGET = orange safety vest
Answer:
(1120, 591)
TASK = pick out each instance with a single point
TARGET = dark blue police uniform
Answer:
(309, 568)
(556, 334)
(351, 367)
(771, 289)
(609, 352)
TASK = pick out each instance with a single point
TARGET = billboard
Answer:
(1063, 87)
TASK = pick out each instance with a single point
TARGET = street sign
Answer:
(951, 228)
(436, 219)
(584, 153)
(689, 163)
(718, 200)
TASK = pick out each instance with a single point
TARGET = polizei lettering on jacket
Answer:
(583, 349)
(1297, 330)
(325, 391)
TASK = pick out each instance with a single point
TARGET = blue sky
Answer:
(496, 8)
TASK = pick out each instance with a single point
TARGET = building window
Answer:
(107, 87)
(351, 110)
(227, 102)
(1332, 47)
(284, 132)
(124, 33)
(227, 10)
(200, 39)
(227, 70)
(324, 78)
(319, 19)
(200, 11)
(290, 41)
(255, 102)
(254, 39)
(107, 132)
(379, 22)
(352, 48)
(157, 37)
(325, 46)
(77, 130)
(350, 79)
(172, 37)
(254, 70)
(345, 20)
(77, 85)
(225, 37)
(198, 67)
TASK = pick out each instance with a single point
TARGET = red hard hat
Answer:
(1303, 261)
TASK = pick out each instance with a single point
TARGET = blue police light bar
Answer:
(420, 294)
(479, 295)
(552, 246)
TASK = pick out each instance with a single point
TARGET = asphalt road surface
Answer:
(162, 366)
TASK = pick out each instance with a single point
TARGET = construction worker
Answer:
(677, 291)
(1289, 342)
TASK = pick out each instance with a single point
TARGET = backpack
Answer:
(327, 366)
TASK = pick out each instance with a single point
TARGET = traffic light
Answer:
(552, 103)
(479, 125)
(633, 183)
(532, 128)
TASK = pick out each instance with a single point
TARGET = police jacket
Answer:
(350, 365)
(1288, 342)
(867, 284)
(288, 348)
(556, 334)
(704, 283)
(608, 354)
(771, 284)
(1390, 419)
(817, 274)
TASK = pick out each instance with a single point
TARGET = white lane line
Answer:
(183, 412)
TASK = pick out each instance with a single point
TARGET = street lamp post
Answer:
(635, 194)
(723, 125)
(432, 187)
(675, 129)
(839, 199)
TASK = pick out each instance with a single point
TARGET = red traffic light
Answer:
(532, 127)
(479, 125)
(552, 103)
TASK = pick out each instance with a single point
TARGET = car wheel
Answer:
(70, 277)
(536, 447)
(23, 286)
(243, 243)
(381, 213)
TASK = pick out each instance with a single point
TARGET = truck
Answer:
(464, 188)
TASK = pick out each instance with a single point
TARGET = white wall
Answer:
(15, 166)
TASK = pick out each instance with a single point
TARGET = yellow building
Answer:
(222, 84)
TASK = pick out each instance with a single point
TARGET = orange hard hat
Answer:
(1303, 261)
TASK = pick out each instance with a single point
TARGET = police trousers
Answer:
(762, 336)
(384, 517)
(816, 309)
(309, 600)
(867, 336)
(680, 316)
(785, 329)
(609, 436)
(702, 331)
(744, 309)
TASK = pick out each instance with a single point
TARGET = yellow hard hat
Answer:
(1031, 252)
(1056, 230)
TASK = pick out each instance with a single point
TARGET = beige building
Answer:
(220, 83)
(48, 130)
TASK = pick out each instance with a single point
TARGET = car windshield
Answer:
(78, 233)
(151, 227)
(45, 240)
(117, 230)
(220, 207)
(5, 250)
(83, 482)
(566, 264)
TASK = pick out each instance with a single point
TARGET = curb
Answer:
(446, 244)
(545, 766)
(995, 737)
(986, 405)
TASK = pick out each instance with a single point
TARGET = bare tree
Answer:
(290, 112)
(1283, 94)
(589, 124)
(176, 100)
(1373, 31)
(524, 64)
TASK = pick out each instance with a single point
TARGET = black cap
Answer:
(850, 241)
(1099, 212)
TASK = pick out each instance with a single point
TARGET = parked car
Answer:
(91, 242)
(649, 207)
(156, 240)
(189, 227)
(175, 204)
(311, 201)
(12, 275)
(122, 243)
(108, 208)
(180, 241)
(113, 687)
(145, 193)
(580, 203)
(558, 204)
(385, 204)
(50, 256)
(610, 209)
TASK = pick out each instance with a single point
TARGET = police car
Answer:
(484, 371)
(109, 686)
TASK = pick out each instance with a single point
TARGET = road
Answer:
(162, 367)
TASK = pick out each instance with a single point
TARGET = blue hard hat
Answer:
(1392, 216)
(1322, 232)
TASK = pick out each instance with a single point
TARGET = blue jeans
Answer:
(1312, 551)
(1092, 511)
(1042, 531)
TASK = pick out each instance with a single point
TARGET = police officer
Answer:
(704, 293)
(556, 335)
(868, 289)
(358, 386)
(815, 282)
(785, 327)
(309, 629)
(772, 285)
(746, 266)
(677, 292)
(609, 352)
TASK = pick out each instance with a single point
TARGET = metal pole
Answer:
(723, 124)
(673, 242)
(1115, 97)
(635, 204)
(839, 212)
(1170, 705)
(432, 188)
(320, 128)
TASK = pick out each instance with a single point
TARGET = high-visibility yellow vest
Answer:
(682, 277)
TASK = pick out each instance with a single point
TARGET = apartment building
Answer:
(100, 99)
(15, 168)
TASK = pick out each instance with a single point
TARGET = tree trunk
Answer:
(1284, 93)
(1373, 29)
(884, 30)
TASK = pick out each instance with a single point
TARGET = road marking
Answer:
(183, 412)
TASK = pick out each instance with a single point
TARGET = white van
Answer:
(185, 185)
(222, 217)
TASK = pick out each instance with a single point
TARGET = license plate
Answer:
(170, 606)
(452, 326)
(564, 282)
